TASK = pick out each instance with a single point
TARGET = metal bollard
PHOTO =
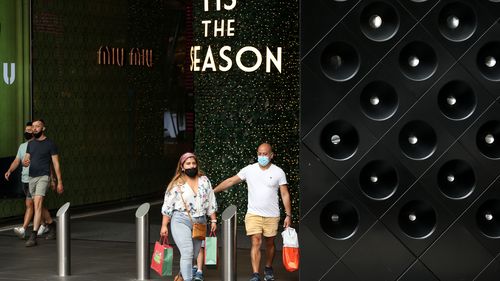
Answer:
(63, 241)
(229, 244)
(142, 246)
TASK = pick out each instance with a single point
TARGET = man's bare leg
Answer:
(28, 214)
(255, 252)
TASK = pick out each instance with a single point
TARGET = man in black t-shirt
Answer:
(40, 154)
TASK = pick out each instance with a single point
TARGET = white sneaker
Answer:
(20, 232)
(42, 230)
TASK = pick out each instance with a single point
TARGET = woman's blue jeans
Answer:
(189, 248)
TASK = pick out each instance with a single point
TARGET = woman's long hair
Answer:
(178, 178)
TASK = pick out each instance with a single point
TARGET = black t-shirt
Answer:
(41, 156)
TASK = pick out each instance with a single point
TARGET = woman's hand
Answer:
(213, 227)
(164, 230)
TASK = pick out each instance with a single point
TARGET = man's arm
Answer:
(285, 197)
(57, 170)
(12, 167)
(227, 183)
(26, 160)
(53, 179)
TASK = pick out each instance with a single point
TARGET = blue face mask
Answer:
(263, 160)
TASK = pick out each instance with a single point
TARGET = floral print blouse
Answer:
(200, 204)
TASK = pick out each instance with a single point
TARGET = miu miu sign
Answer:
(117, 56)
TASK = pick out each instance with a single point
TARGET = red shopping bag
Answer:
(291, 254)
(163, 257)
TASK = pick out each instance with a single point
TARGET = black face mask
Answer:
(37, 135)
(28, 136)
(192, 172)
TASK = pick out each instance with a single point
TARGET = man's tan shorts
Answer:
(266, 226)
(39, 185)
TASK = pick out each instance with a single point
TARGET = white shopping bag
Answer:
(290, 238)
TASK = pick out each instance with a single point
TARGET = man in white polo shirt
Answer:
(264, 179)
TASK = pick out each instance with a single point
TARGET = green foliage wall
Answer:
(237, 110)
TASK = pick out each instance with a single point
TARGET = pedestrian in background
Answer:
(28, 214)
(41, 153)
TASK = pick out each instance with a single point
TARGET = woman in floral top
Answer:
(188, 188)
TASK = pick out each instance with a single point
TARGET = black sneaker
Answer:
(198, 276)
(51, 235)
(32, 240)
(255, 277)
(268, 274)
(195, 268)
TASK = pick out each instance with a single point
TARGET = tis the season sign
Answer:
(202, 57)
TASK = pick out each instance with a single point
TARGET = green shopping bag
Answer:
(211, 249)
(163, 257)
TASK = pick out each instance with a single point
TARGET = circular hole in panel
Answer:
(417, 219)
(340, 61)
(379, 100)
(339, 220)
(417, 140)
(457, 21)
(488, 138)
(418, 61)
(488, 218)
(339, 140)
(488, 59)
(379, 21)
(457, 100)
(456, 179)
(378, 180)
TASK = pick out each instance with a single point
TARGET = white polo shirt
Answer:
(263, 188)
